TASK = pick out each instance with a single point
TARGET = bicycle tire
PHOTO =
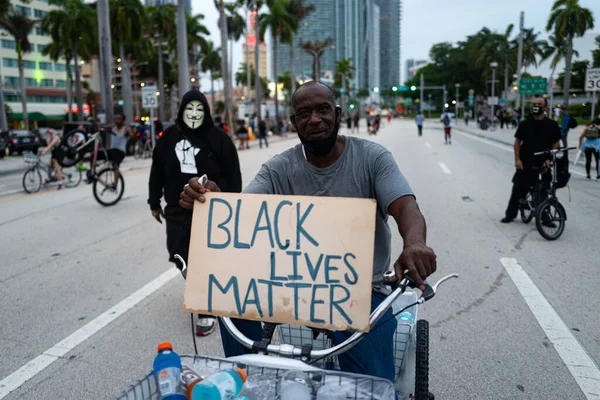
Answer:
(67, 155)
(98, 185)
(138, 150)
(73, 173)
(422, 361)
(33, 173)
(527, 215)
(545, 207)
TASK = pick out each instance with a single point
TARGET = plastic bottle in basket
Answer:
(189, 379)
(224, 385)
(407, 317)
(331, 391)
(295, 386)
(167, 370)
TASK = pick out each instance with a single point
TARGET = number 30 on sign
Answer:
(149, 98)
(592, 79)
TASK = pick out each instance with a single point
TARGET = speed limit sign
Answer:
(149, 98)
(592, 79)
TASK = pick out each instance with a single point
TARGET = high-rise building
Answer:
(411, 63)
(249, 48)
(349, 25)
(389, 42)
(373, 62)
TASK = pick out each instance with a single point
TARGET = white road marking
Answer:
(505, 147)
(580, 364)
(444, 168)
(38, 364)
(427, 144)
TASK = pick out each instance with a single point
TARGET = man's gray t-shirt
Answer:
(364, 170)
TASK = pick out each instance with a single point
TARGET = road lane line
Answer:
(444, 168)
(580, 364)
(427, 144)
(509, 148)
(41, 362)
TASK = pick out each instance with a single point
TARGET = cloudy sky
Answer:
(426, 22)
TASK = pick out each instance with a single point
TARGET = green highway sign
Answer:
(529, 86)
(403, 88)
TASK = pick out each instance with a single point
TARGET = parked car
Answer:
(4, 138)
(21, 140)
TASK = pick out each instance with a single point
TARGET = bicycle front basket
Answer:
(30, 158)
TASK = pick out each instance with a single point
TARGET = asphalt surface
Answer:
(66, 260)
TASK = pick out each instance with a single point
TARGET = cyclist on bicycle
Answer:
(534, 134)
(118, 143)
(326, 164)
(77, 138)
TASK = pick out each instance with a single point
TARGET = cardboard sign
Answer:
(290, 259)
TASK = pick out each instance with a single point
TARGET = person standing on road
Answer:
(325, 164)
(118, 143)
(262, 132)
(446, 119)
(192, 147)
(534, 134)
(568, 122)
(466, 118)
(589, 144)
(356, 119)
(420, 118)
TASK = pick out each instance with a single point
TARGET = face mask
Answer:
(323, 146)
(193, 114)
(537, 110)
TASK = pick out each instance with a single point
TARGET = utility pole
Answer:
(520, 101)
(257, 82)
(422, 89)
(105, 58)
(183, 67)
(445, 94)
(429, 95)
(494, 65)
(457, 86)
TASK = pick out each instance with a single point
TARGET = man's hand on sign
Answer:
(195, 191)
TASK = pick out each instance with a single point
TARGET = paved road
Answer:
(68, 261)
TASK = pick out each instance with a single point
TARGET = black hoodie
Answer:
(215, 156)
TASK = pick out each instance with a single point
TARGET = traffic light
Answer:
(395, 88)
(413, 88)
(351, 106)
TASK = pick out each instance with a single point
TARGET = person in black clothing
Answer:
(262, 132)
(534, 134)
(193, 146)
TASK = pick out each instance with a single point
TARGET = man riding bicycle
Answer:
(345, 166)
(534, 134)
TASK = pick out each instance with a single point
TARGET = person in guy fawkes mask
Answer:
(534, 134)
(193, 146)
(328, 164)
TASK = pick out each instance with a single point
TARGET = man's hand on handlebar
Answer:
(519, 165)
(195, 191)
(419, 260)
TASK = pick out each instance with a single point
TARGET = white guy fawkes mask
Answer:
(193, 114)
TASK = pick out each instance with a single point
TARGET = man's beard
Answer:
(323, 146)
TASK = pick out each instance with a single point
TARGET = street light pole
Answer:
(422, 88)
(105, 58)
(519, 64)
(429, 95)
(493, 65)
(445, 98)
(457, 86)
(257, 82)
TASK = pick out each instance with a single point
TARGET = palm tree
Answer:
(56, 51)
(18, 26)
(557, 48)
(344, 72)
(532, 48)
(507, 48)
(280, 23)
(316, 50)
(162, 23)
(211, 62)
(220, 5)
(236, 26)
(298, 10)
(569, 20)
(127, 19)
(64, 26)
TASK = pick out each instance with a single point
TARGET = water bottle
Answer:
(331, 392)
(295, 386)
(189, 379)
(167, 370)
(224, 385)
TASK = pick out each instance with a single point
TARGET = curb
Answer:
(482, 136)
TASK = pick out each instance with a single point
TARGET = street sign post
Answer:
(592, 84)
(149, 100)
(532, 86)
(493, 100)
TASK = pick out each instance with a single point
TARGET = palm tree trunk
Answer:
(317, 67)
(248, 81)
(224, 68)
(506, 75)
(276, 79)
(567, 80)
(314, 66)
(161, 81)
(78, 91)
(126, 85)
(292, 67)
(183, 67)
(231, 60)
(69, 92)
(212, 91)
(22, 84)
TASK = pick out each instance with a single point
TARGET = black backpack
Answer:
(572, 122)
(562, 170)
(446, 120)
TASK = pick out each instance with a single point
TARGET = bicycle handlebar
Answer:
(553, 151)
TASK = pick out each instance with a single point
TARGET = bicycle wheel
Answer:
(67, 153)
(71, 177)
(32, 180)
(106, 191)
(527, 209)
(422, 361)
(139, 150)
(550, 219)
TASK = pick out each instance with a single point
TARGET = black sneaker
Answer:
(506, 220)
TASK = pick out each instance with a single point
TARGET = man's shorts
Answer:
(116, 156)
(447, 130)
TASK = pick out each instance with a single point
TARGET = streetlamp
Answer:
(429, 95)
(493, 65)
(457, 86)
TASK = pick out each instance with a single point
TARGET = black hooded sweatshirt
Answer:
(217, 158)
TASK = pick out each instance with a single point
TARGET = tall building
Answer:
(373, 38)
(411, 63)
(389, 21)
(249, 48)
(45, 80)
(350, 28)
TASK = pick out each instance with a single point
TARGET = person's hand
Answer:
(419, 260)
(548, 163)
(519, 165)
(44, 151)
(195, 191)
(157, 214)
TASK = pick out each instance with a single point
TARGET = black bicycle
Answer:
(541, 201)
